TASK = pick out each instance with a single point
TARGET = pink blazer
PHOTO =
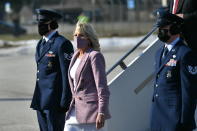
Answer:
(91, 95)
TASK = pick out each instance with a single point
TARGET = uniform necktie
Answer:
(175, 6)
(42, 46)
(165, 52)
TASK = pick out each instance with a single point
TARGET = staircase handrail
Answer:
(120, 61)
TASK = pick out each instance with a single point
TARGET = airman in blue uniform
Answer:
(173, 103)
(52, 94)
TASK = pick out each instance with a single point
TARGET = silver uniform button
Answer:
(156, 85)
(156, 95)
(37, 79)
(38, 71)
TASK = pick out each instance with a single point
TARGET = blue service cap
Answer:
(165, 18)
(43, 15)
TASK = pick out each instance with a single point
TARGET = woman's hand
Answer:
(100, 120)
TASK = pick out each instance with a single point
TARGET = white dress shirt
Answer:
(172, 44)
(49, 36)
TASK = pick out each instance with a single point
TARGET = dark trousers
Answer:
(50, 120)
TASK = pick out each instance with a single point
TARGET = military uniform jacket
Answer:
(173, 104)
(52, 89)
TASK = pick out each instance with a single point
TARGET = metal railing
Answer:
(121, 61)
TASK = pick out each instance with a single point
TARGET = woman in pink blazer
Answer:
(89, 106)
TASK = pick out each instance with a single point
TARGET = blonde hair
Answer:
(88, 31)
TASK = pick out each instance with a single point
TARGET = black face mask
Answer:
(163, 35)
(43, 29)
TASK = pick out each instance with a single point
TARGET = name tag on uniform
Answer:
(171, 62)
(50, 54)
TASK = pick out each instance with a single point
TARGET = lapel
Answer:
(180, 4)
(171, 6)
(37, 50)
(70, 82)
(80, 67)
(168, 57)
(70, 66)
(47, 46)
(73, 59)
(158, 57)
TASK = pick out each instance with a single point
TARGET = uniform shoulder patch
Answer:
(192, 69)
(68, 56)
